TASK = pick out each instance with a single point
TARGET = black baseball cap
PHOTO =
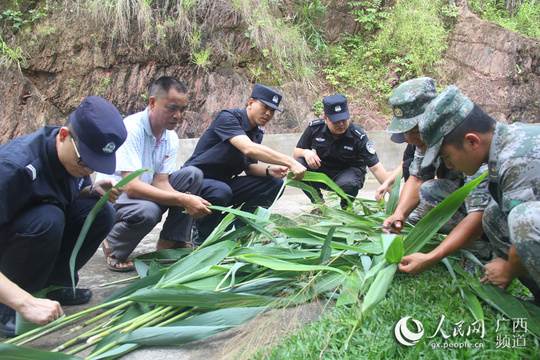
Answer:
(335, 107)
(267, 95)
(100, 131)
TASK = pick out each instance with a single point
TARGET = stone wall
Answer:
(390, 154)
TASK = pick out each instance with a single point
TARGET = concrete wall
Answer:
(390, 154)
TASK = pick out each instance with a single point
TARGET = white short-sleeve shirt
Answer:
(141, 150)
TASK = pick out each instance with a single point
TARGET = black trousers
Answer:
(35, 247)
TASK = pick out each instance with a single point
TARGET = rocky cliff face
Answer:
(497, 69)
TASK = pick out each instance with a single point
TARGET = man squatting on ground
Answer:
(427, 187)
(152, 144)
(232, 145)
(46, 195)
(465, 137)
(338, 148)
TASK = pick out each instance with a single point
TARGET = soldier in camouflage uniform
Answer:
(465, 138)
(422, 192)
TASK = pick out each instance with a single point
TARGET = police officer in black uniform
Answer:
(46, 195)
(338, 148)
(232, 145)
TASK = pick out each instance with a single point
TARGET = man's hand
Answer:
(312, 159)
(416, 263)
(40, 311)
(278, 171)
(498, 273)
(380, 192)
(196, 206)
(101, 187)
(395, 223)
(298, 170)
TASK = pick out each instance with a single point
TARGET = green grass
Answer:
(426, 298)
(524, 19)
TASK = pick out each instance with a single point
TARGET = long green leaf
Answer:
(394, 196)
(242, 214)
(348, 217)
(326, 251)
(307, 188)
(117, 351)
(198, 260)
(12, 352)
(323, 178)
(432, 222)
(281, 265)
(378, 289)
(470, 299)
(392, 247)
(148, 281)
(269, 286)
(200, 298)
(171, 335)
(223, 317)
(90, 219)
(367, 246)
(277, 252)
(217, 232)
(350, 289)
(509, 305)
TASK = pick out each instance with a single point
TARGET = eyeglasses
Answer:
(80, 162)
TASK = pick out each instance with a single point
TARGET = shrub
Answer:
(410, 42)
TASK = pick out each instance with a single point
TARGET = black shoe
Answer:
(66, 297)
(7, 321)
(195, 238)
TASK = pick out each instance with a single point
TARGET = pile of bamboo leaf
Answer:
(240, 273)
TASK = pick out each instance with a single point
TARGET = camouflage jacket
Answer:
(514, 165)
(478, 198)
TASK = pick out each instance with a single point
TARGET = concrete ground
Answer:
(261, 331)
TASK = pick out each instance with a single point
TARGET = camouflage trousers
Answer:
(432, 192)
(520, 228)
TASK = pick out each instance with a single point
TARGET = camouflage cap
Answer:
(409, 101)
(442, 116)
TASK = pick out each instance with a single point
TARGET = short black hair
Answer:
(160, 88)
(477, 121)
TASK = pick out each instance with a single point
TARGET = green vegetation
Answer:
(404, 42)
(523, 18)
(202, 58)
(11, 22)
(14, 20)
(10, 56)
(426, 298)
(275, 262)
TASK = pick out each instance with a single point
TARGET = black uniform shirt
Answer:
(31, 174)
(215, 155)
(352, 149)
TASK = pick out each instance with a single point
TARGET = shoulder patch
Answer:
(316, 122)
(370, 147)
